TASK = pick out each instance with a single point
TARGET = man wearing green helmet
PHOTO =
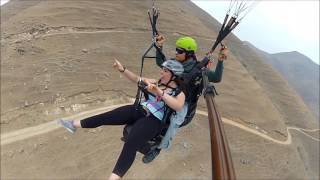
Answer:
(186, 48)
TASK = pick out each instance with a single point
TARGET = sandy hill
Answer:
(56, 59)
(301, 73)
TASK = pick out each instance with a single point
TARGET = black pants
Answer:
(143, 129)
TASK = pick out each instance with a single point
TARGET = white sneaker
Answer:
(68, 125)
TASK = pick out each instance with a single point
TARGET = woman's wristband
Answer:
(124, 68)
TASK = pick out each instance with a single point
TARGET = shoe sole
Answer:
(70, 130)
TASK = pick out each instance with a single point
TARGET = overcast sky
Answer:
(276, 26)
(3, 1)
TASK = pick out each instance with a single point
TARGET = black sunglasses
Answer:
(180, 51)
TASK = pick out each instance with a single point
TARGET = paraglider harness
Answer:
(154, 142)
(196, 79)
(141, 92)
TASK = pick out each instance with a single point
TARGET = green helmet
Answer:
(187, 43)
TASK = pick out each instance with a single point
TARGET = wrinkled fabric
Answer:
(176, 120)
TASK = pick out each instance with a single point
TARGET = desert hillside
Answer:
(56, 61)
(301, 73)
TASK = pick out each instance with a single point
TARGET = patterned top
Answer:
(156, 106)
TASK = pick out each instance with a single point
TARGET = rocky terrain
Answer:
(56, 62)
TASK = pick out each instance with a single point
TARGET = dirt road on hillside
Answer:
(50, 126)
